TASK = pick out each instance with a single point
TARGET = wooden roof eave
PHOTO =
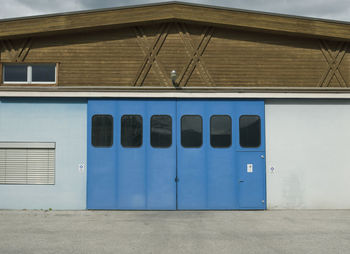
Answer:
(239, 89)
(280, 24)
(80, 21)
(43, 25)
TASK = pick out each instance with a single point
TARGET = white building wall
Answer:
(62, 121)
(308, 154)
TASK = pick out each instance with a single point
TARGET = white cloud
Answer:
(14, 9)
(21, 8)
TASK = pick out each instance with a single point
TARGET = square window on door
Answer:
(161, 131)
(249, 131)
(131, 131)
(191, 131)
(220, 131)
(102, 131)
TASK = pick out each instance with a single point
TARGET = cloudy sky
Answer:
(328, 9)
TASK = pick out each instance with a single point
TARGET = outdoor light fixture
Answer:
(173, 76)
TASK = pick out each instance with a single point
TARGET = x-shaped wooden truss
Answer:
(19, 54)
(194, 53)
(151, 52)
(333, 60)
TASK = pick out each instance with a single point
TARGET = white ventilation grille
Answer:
(27, 163)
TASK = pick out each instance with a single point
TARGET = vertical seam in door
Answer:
(117, 137)
(87, 154)
(265, 166)
(145, 143)
(205, 146)
(176, 162)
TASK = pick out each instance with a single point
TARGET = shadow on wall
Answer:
(293, 192)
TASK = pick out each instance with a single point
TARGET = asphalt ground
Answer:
(276, 231)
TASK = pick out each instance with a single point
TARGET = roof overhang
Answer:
(173, 11)
(156, 92)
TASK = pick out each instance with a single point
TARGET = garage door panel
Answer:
(251, 167)
(131, 174)
(102, 176)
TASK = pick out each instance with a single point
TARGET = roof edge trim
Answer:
(221, 95)
(174, 3)
(158, 12)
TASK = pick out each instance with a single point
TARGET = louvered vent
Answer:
(27, 163)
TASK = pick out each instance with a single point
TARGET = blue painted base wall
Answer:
(41, 120)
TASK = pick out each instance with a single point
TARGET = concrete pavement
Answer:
(286, 231)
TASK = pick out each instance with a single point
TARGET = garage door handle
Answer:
(241, 181)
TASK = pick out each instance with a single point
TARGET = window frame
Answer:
(171, 132)
(202, 134)
(222, 147)
(92, 119)
(239, 133)
(29, 74)
(121, 130)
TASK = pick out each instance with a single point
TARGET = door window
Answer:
(191, 131)
(220, 131)
(102, 131)
(249, 131)
(131, 130)
(161, 131)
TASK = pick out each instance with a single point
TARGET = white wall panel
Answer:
(308, 147)
(61, 121)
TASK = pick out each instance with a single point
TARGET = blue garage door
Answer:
(221, 154)
(131, 163)
(176, 154)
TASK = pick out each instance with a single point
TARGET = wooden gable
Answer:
(204, 54)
